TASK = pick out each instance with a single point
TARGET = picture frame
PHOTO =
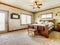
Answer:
(15, 16)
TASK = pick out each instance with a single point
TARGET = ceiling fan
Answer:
(36, 5)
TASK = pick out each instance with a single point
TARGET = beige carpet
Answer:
(22, 38)
(54, 35)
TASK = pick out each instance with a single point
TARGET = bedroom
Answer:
(17, 26)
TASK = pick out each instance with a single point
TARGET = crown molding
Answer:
(14, 7)
(27, 10)
(48, 9)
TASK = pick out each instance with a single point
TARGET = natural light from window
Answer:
(2, 21)
(25, 19)
(46, 16)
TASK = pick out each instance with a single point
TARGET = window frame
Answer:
(26, 18)
(31, 19)
(46, 15)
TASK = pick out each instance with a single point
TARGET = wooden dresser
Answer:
(58, 27)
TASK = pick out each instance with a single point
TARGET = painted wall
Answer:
(14, 23)
(54, 11)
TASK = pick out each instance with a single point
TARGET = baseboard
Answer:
(17, 30)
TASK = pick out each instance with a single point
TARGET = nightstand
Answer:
(58, 27)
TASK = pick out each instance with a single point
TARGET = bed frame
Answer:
(42, 30)
(45, 32)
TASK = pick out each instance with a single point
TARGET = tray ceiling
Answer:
(25, 4)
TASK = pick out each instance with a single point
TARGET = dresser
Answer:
(58, 27)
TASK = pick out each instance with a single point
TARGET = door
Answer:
(3, 21)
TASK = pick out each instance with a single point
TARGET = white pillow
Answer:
(46, 22)
(41, 22)
(51, 23)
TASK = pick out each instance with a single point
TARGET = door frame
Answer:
(6, 20)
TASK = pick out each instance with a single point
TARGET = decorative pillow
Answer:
(51, 23)
(46, 22)
(41, 22)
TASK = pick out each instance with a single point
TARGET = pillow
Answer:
(51, 23)
(46, 22)
(42, 22)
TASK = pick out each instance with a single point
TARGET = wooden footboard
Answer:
(46, 31)
(43, 30)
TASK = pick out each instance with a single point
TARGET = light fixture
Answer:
(36, 4)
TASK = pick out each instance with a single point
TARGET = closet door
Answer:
(3, 21)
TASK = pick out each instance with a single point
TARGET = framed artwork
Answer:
(15, 16)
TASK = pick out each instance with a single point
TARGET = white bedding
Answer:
(39, 24)
(50, 24)
(51, 27)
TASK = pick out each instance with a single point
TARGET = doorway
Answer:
(4, 24)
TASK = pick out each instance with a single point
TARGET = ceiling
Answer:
(25, 4)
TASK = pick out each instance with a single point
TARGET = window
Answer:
(43, 16)
(28, 19)
(2, 21)
(25, 19)
(46, 16)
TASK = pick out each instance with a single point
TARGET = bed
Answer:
(44, 28)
